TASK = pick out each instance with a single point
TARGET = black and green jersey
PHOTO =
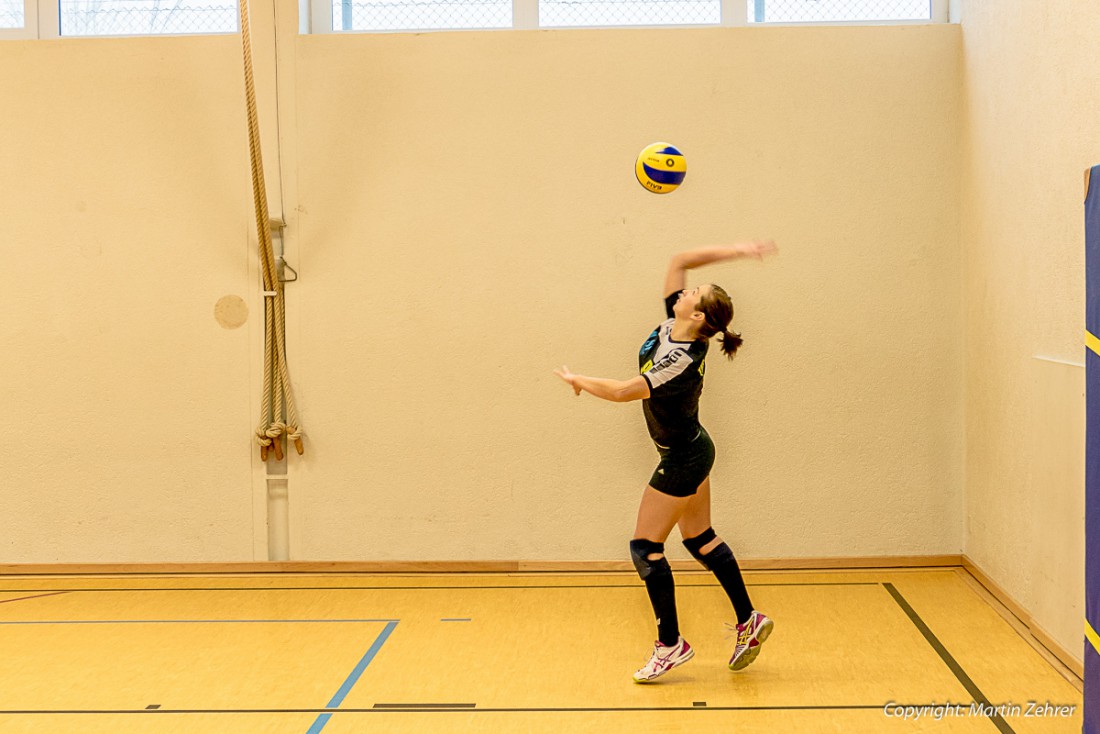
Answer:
(674, 371)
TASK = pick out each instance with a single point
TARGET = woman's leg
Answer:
(658, 514)
(708, 549)
(656, 517)
(696, 517)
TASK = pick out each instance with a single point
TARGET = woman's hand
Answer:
(755, 248)
(568, 376)
(617, 391)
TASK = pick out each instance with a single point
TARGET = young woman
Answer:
(672, 362)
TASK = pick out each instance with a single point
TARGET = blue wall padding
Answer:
(1092, 255)
(1092, 452)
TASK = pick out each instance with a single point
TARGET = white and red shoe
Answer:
(664, 659)
(750, 636)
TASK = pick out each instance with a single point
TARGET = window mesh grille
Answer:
(395, 15)
(11, 14)
(145, 17)
(809, 11)
(629, 12)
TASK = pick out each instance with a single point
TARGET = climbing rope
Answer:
(277, 390)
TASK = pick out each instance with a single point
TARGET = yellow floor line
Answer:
(1093, 637)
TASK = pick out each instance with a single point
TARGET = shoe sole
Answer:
(677, 664)
(745, 660)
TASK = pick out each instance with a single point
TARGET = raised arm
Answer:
(682, 262)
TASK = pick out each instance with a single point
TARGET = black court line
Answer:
(424, 706)
(950, 661)
(426, 588)
(404, 708)
(36, 596)
(408, 573)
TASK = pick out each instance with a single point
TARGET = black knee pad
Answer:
(639, 553)
(720, 557)
(695, 545)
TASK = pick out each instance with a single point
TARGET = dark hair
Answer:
(717, 310)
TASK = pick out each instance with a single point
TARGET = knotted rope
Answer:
(277, 389)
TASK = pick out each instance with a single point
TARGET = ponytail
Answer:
(717, 311)
(730, 342)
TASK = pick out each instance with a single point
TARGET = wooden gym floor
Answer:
(537, 652)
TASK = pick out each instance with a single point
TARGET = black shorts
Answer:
(683, 468)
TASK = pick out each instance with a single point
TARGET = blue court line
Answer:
(200, 621)
(353, 678)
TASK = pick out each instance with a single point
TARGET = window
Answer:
(146, 17)
(629, 12)
(326, 16)
(394, 15)
(819, 11)
(54, 18)
(11, 14)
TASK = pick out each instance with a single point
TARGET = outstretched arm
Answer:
(685, 261)
(617, 391)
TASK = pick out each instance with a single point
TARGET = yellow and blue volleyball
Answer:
(660, 168)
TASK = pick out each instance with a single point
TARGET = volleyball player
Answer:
(672, 363)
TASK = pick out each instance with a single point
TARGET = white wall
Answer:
(1032, 91)
(464, 218)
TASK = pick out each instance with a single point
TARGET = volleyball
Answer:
(660, 168)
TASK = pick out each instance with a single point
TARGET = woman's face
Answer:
(689, 301)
